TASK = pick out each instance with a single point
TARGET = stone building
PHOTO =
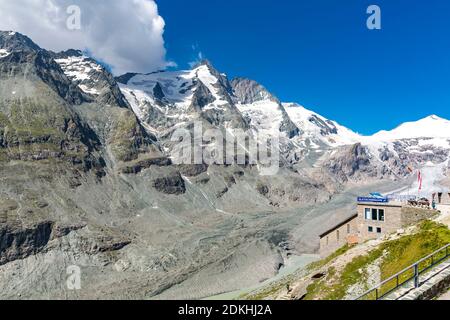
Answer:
(374, 220)
(338, 236)
(442, 198)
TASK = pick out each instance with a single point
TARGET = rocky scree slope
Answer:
(86, 181)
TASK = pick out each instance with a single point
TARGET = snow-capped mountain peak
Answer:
(264, 112)
(165, 99)
(430, 127)
(177, 87)
(317, 127)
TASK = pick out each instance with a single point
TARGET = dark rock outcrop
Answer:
(145, 164)
(326, 127)
(158, 92)
(19, 243)
(352, 162)
(171, 184)
(125, 77)
(192, 170)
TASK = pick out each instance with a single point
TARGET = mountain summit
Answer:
(89, 179)
(429, 127)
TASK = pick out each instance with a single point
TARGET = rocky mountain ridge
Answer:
(88, 178)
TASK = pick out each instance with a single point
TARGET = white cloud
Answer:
(126, 34)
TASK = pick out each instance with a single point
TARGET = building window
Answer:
(381, 215)
(378, 230)
(348, 229)
(337, 235)
(328, 240)
(374, 214)
(370, 229)
(368, 214)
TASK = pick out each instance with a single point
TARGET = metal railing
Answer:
(410, 273)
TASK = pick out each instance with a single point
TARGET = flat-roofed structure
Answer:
(375, 218)
(378, 219)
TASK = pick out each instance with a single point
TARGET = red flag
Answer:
(420, 180)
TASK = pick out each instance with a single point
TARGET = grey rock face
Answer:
(326, 128)
(423, 152)
(289, 127)
(70, 53)
(36, 120)
(18, 63)
(202, 97)
(224, 86)
(248, 91)
(193, 170)
(138, 166)
(173, 184)
(386, 154)
(229, 113)
(91, 77)
(21, 243)
(14, 41)
(351, 162)
(83, 183)
(25, 55)
(158, 92)
(125, 77)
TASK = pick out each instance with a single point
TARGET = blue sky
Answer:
(320, 54)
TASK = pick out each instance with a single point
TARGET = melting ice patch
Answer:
(78, 68)
(4, 53)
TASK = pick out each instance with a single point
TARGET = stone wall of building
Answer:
(443, 198)
(392, 221)
(384, 219)
(338, 237)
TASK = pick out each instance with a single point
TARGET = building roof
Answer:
(338, 226)
(387, 204)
